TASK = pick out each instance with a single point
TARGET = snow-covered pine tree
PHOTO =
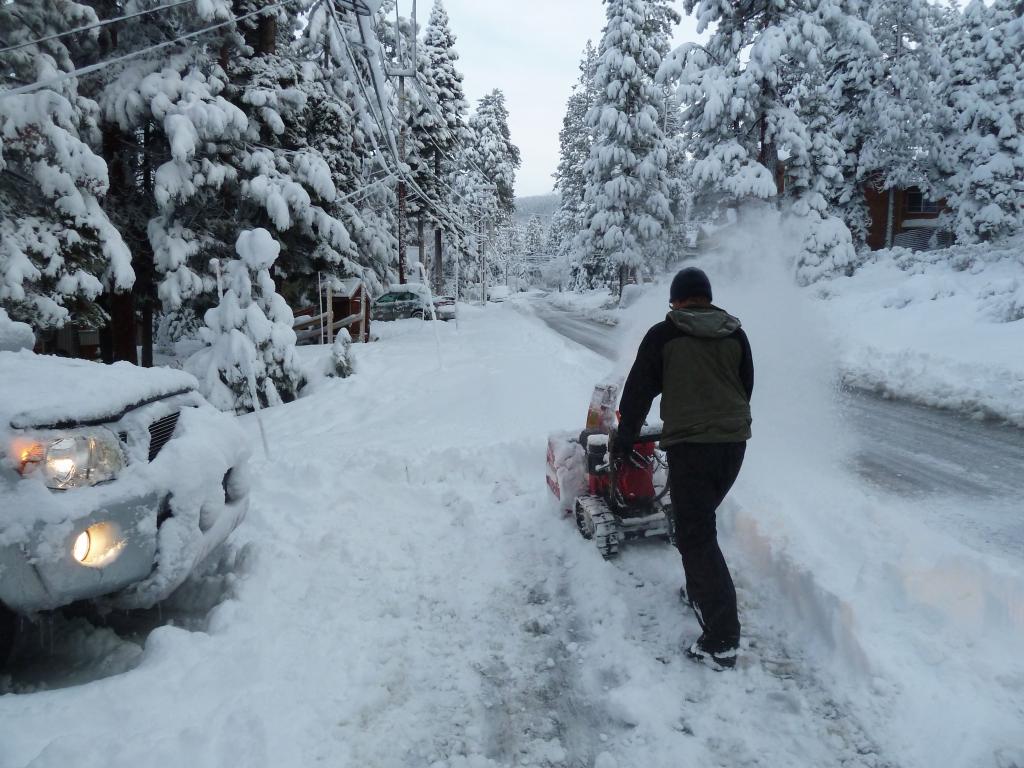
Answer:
(984, 146)
(884, 105)
(534, 238)
(490, 149)
(574, 140)
(241, 121)
(340, 123)
(627, 205)
(250, 359)
(508, 267)
(660, 21)
(286, 184)
(754, 90)
(443, 125)
(170, 135)
(58, 247)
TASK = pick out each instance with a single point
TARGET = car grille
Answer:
(160, 431)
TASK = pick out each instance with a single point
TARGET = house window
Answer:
(914, 201)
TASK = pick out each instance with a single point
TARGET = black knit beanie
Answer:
(688, 283)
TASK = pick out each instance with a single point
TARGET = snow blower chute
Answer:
(612, 499)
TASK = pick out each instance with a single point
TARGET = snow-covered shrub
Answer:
(341, 363)
(177, 325)
(826, 247)
(250, 359)
(991, 274)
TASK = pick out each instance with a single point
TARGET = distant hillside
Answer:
(541, 205)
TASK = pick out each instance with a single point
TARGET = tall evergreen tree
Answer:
(58, 246)
(440, 120)
(755, 89)
(882, 88)
(575, 139)
(983, 152)
(627, 205)
(490, 148)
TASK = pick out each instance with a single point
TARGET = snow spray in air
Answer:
(751, 267)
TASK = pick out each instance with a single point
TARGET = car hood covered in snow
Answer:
(45, 391)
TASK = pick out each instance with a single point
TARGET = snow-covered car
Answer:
(444, 306)
(402, 302)
(498, 293)
(116, 482)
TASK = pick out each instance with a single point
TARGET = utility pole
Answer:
(483, 244)
(438, 266)
(401, 158)
(483, 262)
(401, 74)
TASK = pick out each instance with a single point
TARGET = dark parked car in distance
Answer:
(444, 306)
(402, 302)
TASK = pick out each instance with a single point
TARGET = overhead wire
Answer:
(96, 25)
(400, 164)
(98, 66)
(435, 111)
(41, 84)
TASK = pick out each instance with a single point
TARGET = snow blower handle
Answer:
(616, 451)
(648, 434)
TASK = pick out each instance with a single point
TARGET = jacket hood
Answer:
(704, 322)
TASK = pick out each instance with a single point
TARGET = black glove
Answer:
(619, 447)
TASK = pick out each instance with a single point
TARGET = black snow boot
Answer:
(719, 658)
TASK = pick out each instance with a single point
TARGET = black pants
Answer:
(700, 475)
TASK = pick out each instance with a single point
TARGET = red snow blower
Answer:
(614, 499)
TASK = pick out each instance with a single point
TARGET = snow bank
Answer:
(944, 328)
(597, 305)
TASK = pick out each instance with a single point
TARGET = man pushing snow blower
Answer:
(698, 359)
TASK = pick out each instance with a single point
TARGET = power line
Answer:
(445, 214)
(97, 25)
(435, 111)
(429, 103)
(40, 84)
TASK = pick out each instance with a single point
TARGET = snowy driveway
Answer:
(414, 600)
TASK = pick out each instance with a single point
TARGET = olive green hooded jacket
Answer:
(698, 359)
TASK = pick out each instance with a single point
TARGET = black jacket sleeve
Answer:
(642, 385)
(746, 364)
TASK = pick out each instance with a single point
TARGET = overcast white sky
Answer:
(531, 50)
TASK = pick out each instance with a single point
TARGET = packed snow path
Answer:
(971, 472)
(415, 600)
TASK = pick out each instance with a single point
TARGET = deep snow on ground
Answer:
(414, 599)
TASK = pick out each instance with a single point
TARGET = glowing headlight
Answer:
(80, 549)
(98, 545)
(71, 460)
